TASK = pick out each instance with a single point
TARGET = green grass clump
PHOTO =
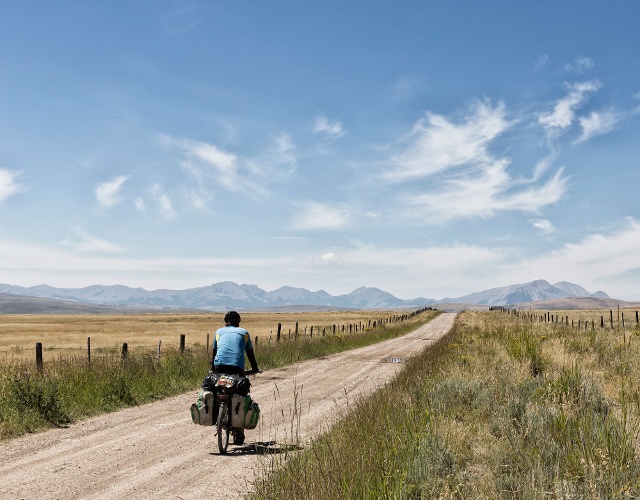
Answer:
(499, 408)
(71, 389)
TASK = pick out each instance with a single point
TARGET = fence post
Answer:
(182, 339)
(311, 332)
(279, 329)
(256, 341)
(89, 350)
(39, 363)
(207, 343)
(125, 350)
(296, 335)
(611, 317)
(159, 344)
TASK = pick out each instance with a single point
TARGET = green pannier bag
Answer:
(245, 412)
(202, 409)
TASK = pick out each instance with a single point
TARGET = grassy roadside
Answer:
(69, 389)
(500, 408)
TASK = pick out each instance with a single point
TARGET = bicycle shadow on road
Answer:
(261, 448)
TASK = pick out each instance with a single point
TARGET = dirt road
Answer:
(154, 451)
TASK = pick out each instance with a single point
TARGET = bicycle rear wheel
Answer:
(224, 427)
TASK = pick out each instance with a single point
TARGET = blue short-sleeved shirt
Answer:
(231, 342)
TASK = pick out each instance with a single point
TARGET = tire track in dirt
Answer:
(154, 450)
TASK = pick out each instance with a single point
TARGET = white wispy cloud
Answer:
(108, 192)
(330, 130)
(466, 179)
(579, 65)
(9, 184)
(482, 192)
(545, 226)
(209, 167)
(405, 88)
(278, 162)
(87, 243)
(315, 215)
(437, 144)
(224, 165)
(541, 62)
(597, 123)
(163, 201)
(330, 258)
(564, 110)
(139, 204)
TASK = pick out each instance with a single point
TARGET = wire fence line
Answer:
(124, 350)
(604, 321)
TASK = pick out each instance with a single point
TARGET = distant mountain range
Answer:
(229, 295)
(528, 292)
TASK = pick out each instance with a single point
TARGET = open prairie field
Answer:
(67, 334)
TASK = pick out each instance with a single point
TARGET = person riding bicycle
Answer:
(229, 346)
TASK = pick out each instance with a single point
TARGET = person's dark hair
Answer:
(232, 318)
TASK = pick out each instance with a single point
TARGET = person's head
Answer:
(232, 318)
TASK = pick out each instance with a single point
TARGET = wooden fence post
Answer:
(125, 350)
(296, 334)
(39, 363)
(207, 343)
(279, 329)
(182, 340)
(311, 332)
(159, 344)
(611, 317)
(89, 350)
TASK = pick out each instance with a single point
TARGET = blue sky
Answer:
(425, 148)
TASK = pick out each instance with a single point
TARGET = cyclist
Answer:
(230, 343)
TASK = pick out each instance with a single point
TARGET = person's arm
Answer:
(252, 360)
(215, 351)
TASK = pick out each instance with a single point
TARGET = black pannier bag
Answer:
(209, 382)
(243, 386)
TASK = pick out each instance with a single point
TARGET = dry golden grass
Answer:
(68, 333)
